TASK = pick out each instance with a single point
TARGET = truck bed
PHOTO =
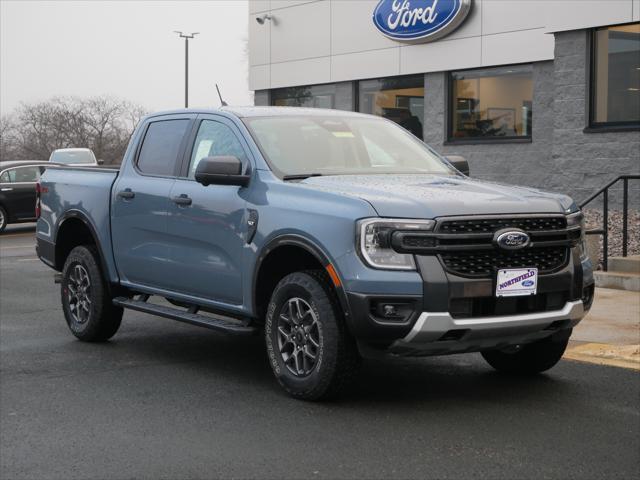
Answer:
(81, 192)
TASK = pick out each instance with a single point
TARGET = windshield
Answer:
(334, 145)
(73, 156)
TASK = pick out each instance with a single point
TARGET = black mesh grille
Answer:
(489, 225)
(484, 263)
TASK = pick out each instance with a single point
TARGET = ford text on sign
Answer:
(419, 20)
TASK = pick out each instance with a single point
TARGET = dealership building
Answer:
(544, 93)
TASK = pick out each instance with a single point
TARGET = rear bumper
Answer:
(440, 333)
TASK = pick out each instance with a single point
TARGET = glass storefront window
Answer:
(400, 99)
(333, 95)
(616, 75)
(491, 103)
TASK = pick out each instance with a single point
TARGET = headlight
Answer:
(577, 219)
(375, 242)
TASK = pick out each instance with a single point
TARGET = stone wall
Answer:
(587, 160)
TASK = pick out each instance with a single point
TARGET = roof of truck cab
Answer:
(286, 111)
(251, 111)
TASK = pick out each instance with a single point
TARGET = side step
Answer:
(218, 324)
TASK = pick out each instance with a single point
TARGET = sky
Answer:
(125, 49)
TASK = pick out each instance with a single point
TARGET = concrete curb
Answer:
(625, 356)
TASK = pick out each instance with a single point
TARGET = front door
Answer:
(206, 224)
(140, 204)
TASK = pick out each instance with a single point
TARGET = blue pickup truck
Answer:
(335, 235)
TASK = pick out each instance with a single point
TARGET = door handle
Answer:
(7, 189)
(127, 194)
(182, 200)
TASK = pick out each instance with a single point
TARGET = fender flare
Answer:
(79, 215)
(311, 247)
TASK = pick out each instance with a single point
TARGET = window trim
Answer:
(179, 156)
(593, 126)
(448, 124)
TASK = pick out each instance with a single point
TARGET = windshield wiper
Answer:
(301, 176)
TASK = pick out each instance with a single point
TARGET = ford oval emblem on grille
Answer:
(511, 239)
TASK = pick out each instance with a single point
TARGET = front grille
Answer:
(484, 263)
(492, 306)
(490, 225)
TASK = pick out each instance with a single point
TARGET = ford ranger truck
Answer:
(336, 235)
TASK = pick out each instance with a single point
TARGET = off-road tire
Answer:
(338, 360)
(101, 319)
(4, 219)
(531, 358)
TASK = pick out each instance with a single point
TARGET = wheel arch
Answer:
(263, 283)
(75, 229)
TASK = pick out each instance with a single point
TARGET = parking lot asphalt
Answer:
(166, 400)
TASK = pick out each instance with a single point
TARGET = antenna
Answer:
(222, 102)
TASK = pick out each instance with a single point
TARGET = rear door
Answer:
(18, 187)
(140, 203)
(208, 229)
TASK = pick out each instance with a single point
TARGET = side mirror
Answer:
(459, 163)
(221, 170)
(100, 161)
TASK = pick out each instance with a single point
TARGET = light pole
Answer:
(186, 63)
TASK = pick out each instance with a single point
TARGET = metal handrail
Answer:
(604, 231)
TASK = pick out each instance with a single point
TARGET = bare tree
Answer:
(103, 124)
(7, 138)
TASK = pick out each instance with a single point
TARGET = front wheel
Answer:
(86, 301)
(310, 350)
(529, 359)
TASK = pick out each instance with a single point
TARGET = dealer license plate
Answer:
(516, 282)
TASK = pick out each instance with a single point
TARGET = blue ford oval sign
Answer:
(419, 20)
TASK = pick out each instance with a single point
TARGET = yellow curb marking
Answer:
(625, 356)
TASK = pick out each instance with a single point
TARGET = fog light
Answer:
(390, 310)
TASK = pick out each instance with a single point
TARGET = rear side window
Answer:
(21, 175)
(161, 145)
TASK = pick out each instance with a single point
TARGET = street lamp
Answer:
(186, 37)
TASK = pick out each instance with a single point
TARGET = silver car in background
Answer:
(74, 156)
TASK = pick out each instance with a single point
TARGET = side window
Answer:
(160, 147)
(214, 139)
(7, 175)
(25, 174)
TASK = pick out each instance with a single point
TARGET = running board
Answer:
(218, 324)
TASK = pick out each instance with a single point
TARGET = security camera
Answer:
(261, 19)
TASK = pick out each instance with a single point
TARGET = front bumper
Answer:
(455, 314)
(440, 333)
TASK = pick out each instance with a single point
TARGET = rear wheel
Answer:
(86, 301)
(529, 359)
(3, 219)
(310, 351)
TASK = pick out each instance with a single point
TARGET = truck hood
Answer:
(431, 196)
